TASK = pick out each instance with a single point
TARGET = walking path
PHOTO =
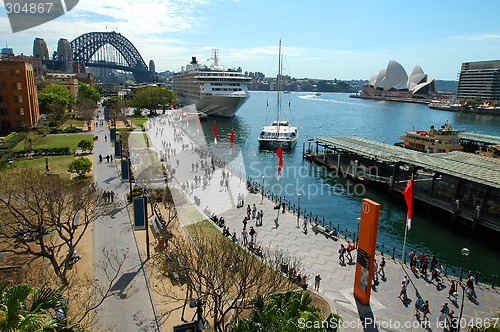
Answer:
(318, 253)
(131, 308)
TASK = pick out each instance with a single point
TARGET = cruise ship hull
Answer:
(223, 106)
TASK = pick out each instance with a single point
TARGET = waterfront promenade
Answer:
(131, 306)
(318, 253)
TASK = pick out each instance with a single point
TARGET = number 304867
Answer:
(29, 8)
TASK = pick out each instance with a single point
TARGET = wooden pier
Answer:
(465, 185)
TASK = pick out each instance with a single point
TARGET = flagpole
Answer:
(404, 243)
(406, 223)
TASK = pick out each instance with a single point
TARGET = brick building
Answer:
(18, 97)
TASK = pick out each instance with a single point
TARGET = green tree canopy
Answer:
(80, 166)
(112, 103)
(27, 308)
(289, 311)
(88, 92)
(54, 94)
(86, 145)
(152, 98)
(54, 100)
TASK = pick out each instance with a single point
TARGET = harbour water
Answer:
(338, 201)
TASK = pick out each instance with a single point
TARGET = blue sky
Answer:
(321, 39)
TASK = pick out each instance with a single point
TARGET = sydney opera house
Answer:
(394, 82)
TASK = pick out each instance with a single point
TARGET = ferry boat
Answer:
(214, 90)
(492, 151)
(440, 140)
(280, 132)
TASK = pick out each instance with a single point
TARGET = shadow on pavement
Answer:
(366, 315)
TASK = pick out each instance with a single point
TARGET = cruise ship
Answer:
(214, 90)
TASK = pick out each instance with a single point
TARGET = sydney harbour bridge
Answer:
(102, 50)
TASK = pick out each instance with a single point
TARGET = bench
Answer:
(333, 234)
(157, 227)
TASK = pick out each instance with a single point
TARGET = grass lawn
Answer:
(56, 141)
(207, 228)
(57, 164)
(75, 123)
(138, 121)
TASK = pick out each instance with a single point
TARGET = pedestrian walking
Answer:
(249, 211)
(317, 280)
(105, 138)
(303, 282)
(244, 234)
(253, 234)
(254, 211)
(418, 306)
(283, 204)
(453, 290)
(425, 309)
(245, 221)
(402, 293)
(350, 247)
(341, 254)
(445, 314)
(261, 215)
(381, 268)
(100, 158)
(305, 224)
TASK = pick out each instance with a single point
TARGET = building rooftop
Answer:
(488, 139)
(469, 166)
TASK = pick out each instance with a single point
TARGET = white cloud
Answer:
(478, 37)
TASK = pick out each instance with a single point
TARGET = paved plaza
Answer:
(318, 253)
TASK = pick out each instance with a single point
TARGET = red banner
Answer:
(279, 153)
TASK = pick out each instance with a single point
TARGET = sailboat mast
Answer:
(280, 70)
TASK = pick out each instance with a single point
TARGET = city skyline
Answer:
(321, 39)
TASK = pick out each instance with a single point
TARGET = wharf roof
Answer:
(469, 166)
(488, 139)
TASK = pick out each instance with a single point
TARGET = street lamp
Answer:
(357, 233)
(465, 253)
(262, 199)
(298, 209)
(241, 174)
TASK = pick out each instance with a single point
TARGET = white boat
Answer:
(280, 132)
(214, 90)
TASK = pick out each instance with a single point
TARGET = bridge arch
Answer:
(85, 46)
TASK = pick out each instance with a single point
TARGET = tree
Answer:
(86, 103)
(27, 308)
(113, 103)
(80, 166)
(54, 100)
(88, 92)
(289, 311)
(221, 273)
(86, 145)
(152, 97)
(46, 217)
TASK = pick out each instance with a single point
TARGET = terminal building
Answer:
(479, 79)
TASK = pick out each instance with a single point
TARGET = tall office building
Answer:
(65, 55)
(40, 49)
(18, 97)
(479, 79)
